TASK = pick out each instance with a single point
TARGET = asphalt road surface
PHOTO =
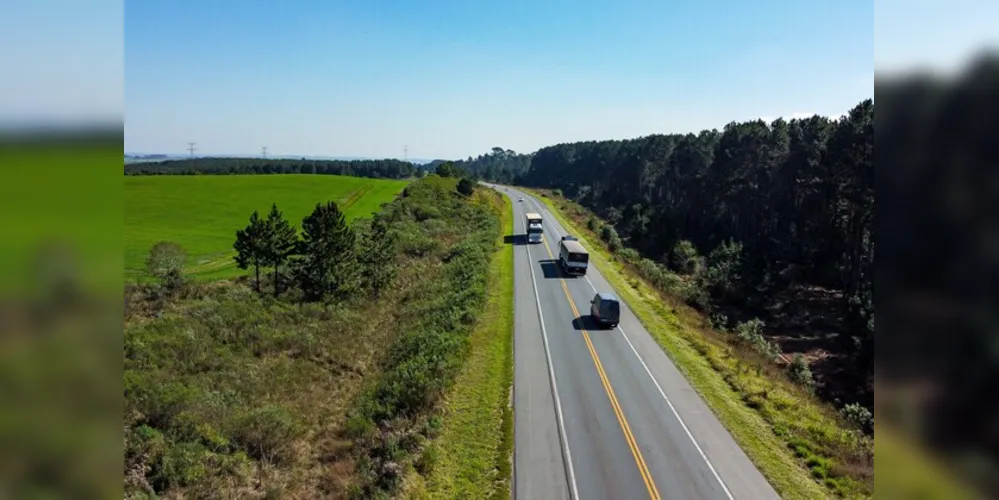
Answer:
(601, 413)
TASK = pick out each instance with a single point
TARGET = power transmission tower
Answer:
(264, 151)
(191, 148)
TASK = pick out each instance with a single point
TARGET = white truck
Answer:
(534, 228)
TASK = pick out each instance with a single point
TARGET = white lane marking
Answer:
(656, 382)
(551, 377)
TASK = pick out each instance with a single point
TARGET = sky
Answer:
(449, 78)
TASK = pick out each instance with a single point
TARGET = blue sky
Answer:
(455, 78)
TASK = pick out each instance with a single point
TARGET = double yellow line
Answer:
(643, 468)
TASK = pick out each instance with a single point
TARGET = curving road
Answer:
(604, 414)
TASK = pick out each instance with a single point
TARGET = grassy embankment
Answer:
(228, 393)
(201, 213)
(476, 442)
(801, 446)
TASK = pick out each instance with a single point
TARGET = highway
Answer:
(599, 413)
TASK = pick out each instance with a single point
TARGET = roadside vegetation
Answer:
(473, 455)
(325, 377)
(200, 213)
(802, 445)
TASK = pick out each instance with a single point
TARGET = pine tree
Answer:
(282, 241)
(327, 266)
(250, 244)
(377, 257)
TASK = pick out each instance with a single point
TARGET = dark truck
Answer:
(605, 309)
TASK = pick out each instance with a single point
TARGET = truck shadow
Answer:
(586, 322)
(515, 239)
(551, 269)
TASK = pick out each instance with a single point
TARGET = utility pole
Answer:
(264, 151)
(405, 153)
(191, 148)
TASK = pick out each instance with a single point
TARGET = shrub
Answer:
(859, 416)
(799, 372)
(266, 431)
(723, 274)
(718, 321)
(629, 254)
(593, 224)
(610, 236)
(428, 459)
(751, 332)
(557, 192)
(466, 187)
(686, 259)
(166, 263)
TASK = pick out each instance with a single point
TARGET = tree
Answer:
(466, 187)
(445, 169)
(327, 264)
(685, 258)
(165, 262)
(377, 256)
(281, 243)
(250, 245)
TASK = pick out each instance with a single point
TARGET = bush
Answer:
(428, 459)
(264, 432)
(718, 321)
(686, 259)
(859, 416)
(593, 224)
(610, 236)
(799, 372)
(629, 254)
(466, 187)
(751, 332)
(557, 192)
(166, 263)
(724, 266)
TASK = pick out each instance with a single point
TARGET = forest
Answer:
(795, 200)
(378, 169)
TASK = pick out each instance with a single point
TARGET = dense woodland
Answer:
(379, 169)
(797, 197)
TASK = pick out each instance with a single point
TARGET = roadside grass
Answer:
(201, 213)
(474, 448)
(799, 445)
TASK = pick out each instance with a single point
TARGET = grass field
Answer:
(201, 213)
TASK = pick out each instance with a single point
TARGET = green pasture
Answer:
(201, 213)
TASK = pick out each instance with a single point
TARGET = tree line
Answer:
(378, 169)
(499, 165)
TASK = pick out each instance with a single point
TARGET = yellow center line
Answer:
(643, 468)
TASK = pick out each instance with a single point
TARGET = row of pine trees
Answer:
(329, 261)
